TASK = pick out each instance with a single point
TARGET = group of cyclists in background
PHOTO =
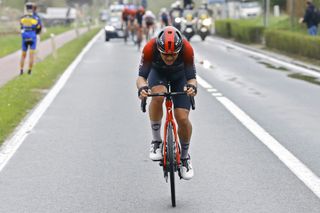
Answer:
(139, 22)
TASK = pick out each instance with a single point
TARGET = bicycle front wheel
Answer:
(171, 158)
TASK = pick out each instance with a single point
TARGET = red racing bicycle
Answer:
(171, 147)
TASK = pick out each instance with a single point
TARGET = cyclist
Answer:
(169, 57)
(125, 21)
(132, 18)
(149, 20)
(29, 26)
(139, 21)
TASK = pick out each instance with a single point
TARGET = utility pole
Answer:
(227, 8)
(293, 13)
(266, 12)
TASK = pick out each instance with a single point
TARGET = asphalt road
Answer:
(89, 151)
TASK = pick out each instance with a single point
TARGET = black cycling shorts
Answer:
(177, 83)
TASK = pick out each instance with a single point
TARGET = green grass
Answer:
(304, 77)
(12, 43)
(283, 23)
(21, 94)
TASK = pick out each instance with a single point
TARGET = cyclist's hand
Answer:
(190, 89)
(143, 92)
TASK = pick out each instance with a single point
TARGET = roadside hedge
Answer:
(240, 30)
(246, 32)
(293, 43)
(223, 28)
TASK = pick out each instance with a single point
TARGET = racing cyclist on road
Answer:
(169, 57)
(139, 24)
(149, 19)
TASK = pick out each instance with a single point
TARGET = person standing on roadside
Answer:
(38, 30)
(29, 25)
(310, 18)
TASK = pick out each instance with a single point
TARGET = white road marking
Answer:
(216, 94)
(212, 90)
(311, 180)
(203, 83)
(11, 145)
(278, 61)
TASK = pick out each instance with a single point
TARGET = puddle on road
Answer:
(299, 76)
(270, 66)
(304, 77)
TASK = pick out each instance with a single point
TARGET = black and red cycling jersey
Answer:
(128, 14)
(151, 59)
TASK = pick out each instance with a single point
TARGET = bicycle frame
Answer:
(170, 119)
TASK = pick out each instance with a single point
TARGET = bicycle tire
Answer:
(171, 158)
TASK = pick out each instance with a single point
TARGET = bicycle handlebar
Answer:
(166, 94)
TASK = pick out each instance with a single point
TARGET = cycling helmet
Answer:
(141, 9)
(169, 40)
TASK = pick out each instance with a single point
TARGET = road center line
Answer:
(12, 144)
(311, 180)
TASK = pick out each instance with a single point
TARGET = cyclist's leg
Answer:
(32, 50)
(181, 113)
(184, 129)
(23, 55)
(156, 83)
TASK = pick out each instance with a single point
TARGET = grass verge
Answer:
(21, 94)
(12, 43)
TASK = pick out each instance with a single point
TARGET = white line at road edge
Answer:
(311, 180)
(11, 145)
(260, 55)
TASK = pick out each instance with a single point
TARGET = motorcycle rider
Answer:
(164, 17)
(176, 14)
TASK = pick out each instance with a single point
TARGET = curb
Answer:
(270, 54)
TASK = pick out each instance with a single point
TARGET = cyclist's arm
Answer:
(146, 59)
(188, 57)
(141, 82)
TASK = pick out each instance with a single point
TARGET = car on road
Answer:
(113, 28)
(250, 9)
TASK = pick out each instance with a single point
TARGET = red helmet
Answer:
(169, 40)
(141, 9)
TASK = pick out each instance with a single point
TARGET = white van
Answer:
(250, 9)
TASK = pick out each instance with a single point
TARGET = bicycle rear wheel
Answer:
(171, 158)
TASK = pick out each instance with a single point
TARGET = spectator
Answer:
(29, 26)
(310, 18)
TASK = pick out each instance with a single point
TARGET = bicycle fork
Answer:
(170, 122)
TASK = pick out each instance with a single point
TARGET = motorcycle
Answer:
(177, 23)
(188, 31)
(204, 27)
(176, 17)
(189, 22)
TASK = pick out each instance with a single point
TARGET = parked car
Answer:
(113, 28)
(250, 9)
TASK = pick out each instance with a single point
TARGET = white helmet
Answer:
(149, 13)
(163, 10)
